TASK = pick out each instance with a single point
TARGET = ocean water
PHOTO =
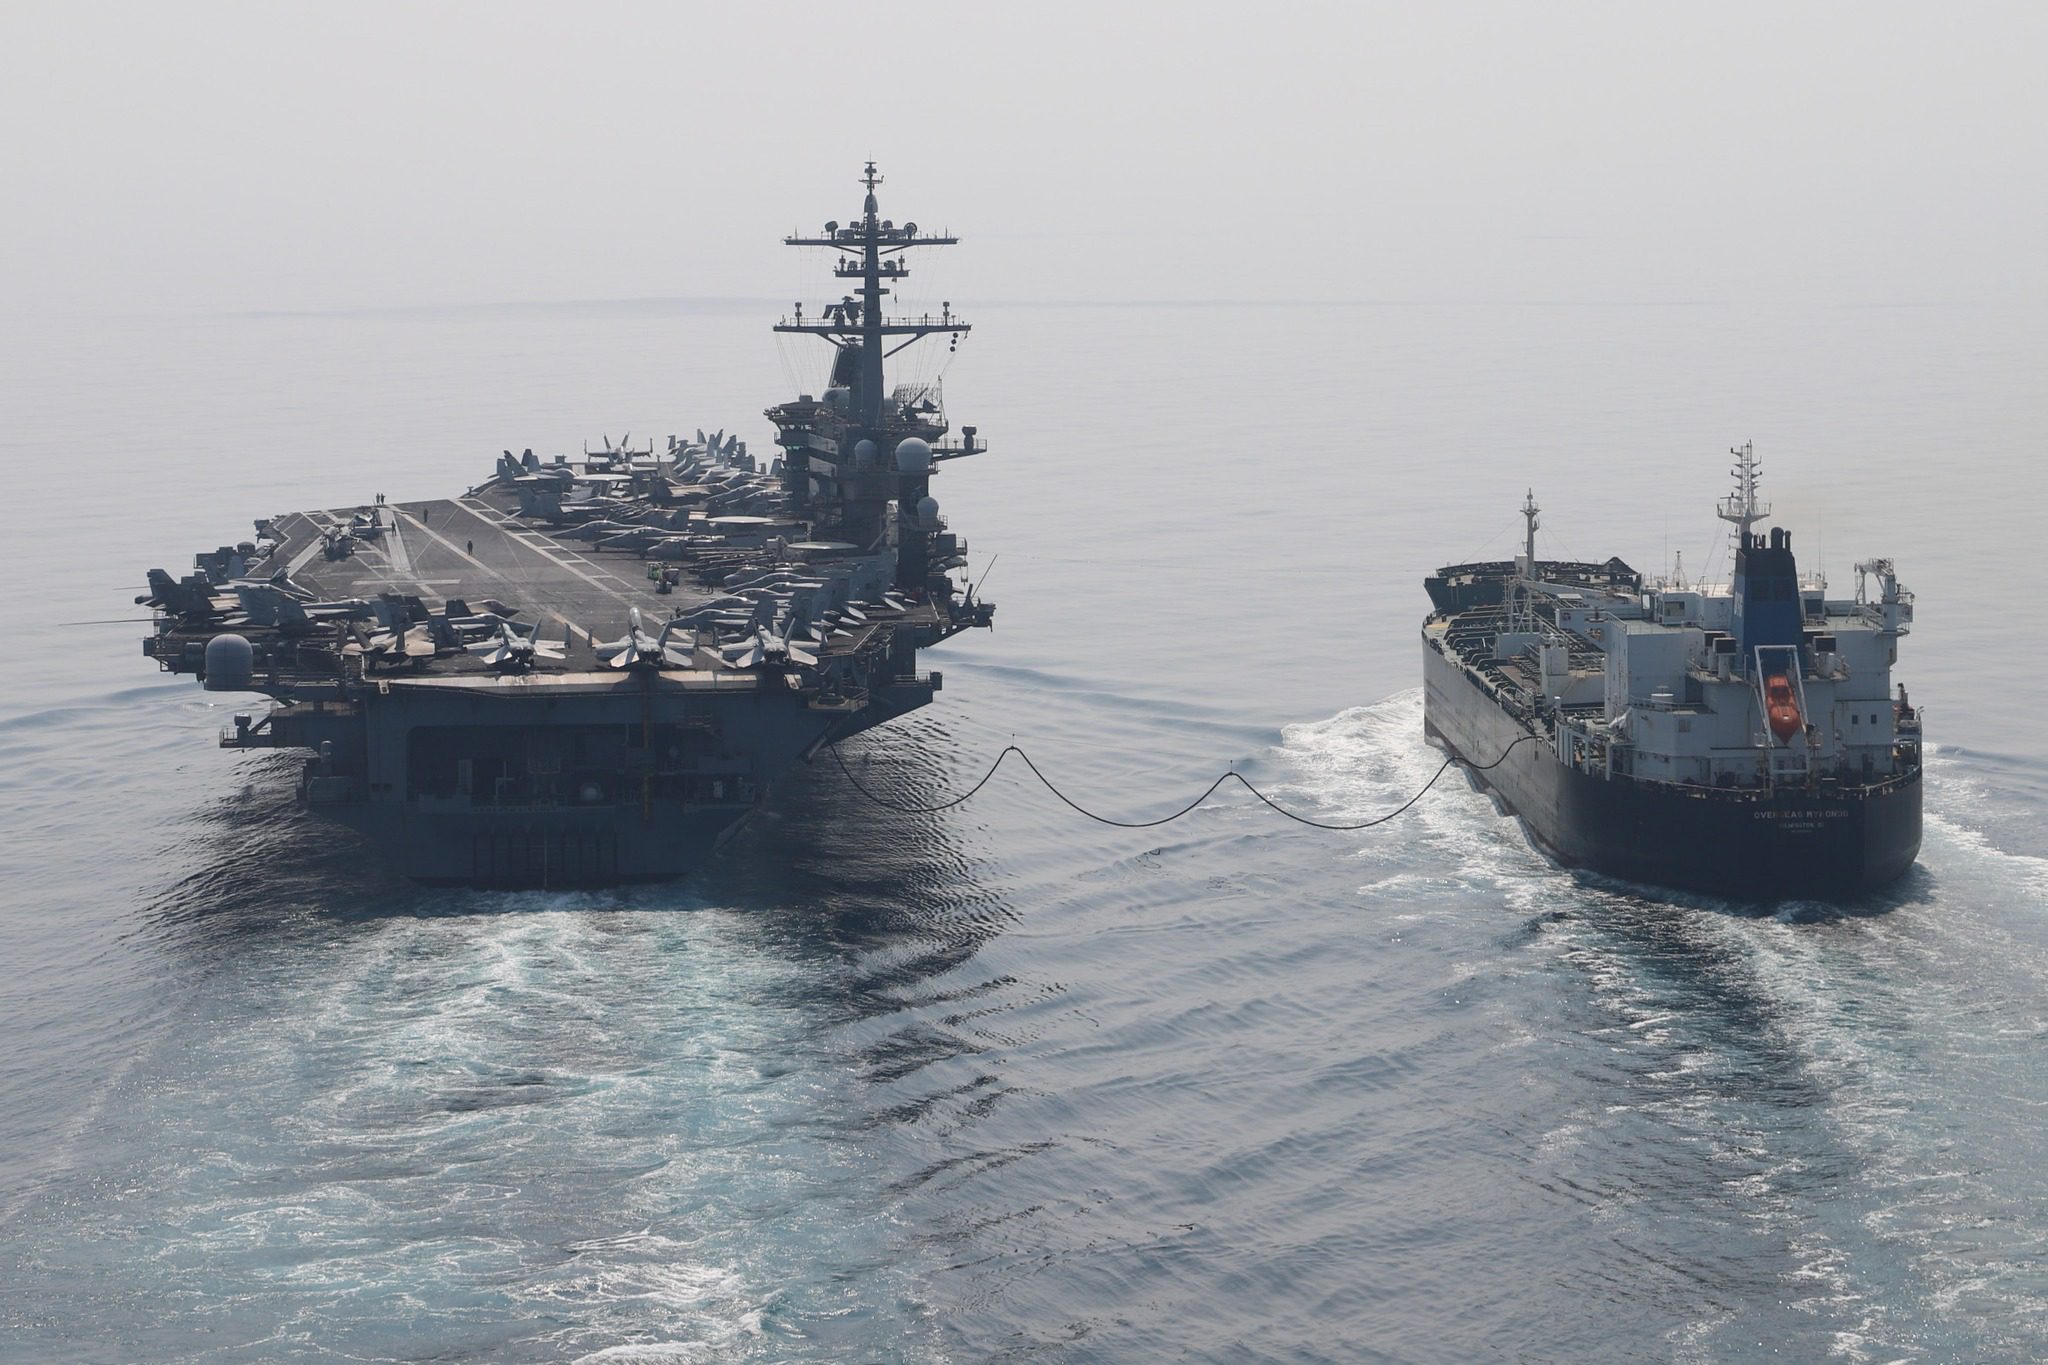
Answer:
(1000, 1084)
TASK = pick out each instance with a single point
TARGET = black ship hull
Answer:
(1832, 843)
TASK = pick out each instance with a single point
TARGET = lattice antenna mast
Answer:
(1742, 507)
(871, 251)
(1525, 567)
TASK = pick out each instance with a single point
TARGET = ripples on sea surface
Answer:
(999, 1084)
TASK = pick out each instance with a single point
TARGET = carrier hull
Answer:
(1828, 843)
(589, 785)
(544, 850)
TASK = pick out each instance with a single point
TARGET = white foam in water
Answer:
(1810, 976)
(1952, 789)
(445, 1073)
(1364, 762)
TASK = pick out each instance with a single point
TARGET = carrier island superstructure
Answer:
(1742, 742)
(588, 670)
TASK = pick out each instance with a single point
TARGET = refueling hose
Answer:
(1241, 779)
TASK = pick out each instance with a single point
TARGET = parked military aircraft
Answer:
(766, 647)
(638, 649)
(508, 651)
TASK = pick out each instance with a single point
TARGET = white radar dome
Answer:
(913, 455)
(230, 663)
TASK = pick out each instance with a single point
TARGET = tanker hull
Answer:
(1831, 842)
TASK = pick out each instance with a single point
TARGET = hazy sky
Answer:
(298, 156)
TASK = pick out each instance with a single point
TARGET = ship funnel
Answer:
(1766, 591)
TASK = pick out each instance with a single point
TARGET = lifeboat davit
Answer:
(1781, 705)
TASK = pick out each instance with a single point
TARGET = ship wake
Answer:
(1366, 761)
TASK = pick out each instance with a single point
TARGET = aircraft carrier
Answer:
(1742, 742)
(589, 670)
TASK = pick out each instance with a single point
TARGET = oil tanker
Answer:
(1742, 741)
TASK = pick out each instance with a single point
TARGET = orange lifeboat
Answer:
(1781, 705)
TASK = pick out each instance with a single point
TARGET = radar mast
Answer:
(871, 251)
(1742, 507)
(1525, 568)
(858, 459)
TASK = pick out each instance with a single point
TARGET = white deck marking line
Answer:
(395, 552)
(588, 564)
(527, 535)
(489, 572)
(305, 556)
(484, 510)
(588, 638)
(396, 573)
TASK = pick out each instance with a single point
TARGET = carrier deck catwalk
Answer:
(587, 670)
